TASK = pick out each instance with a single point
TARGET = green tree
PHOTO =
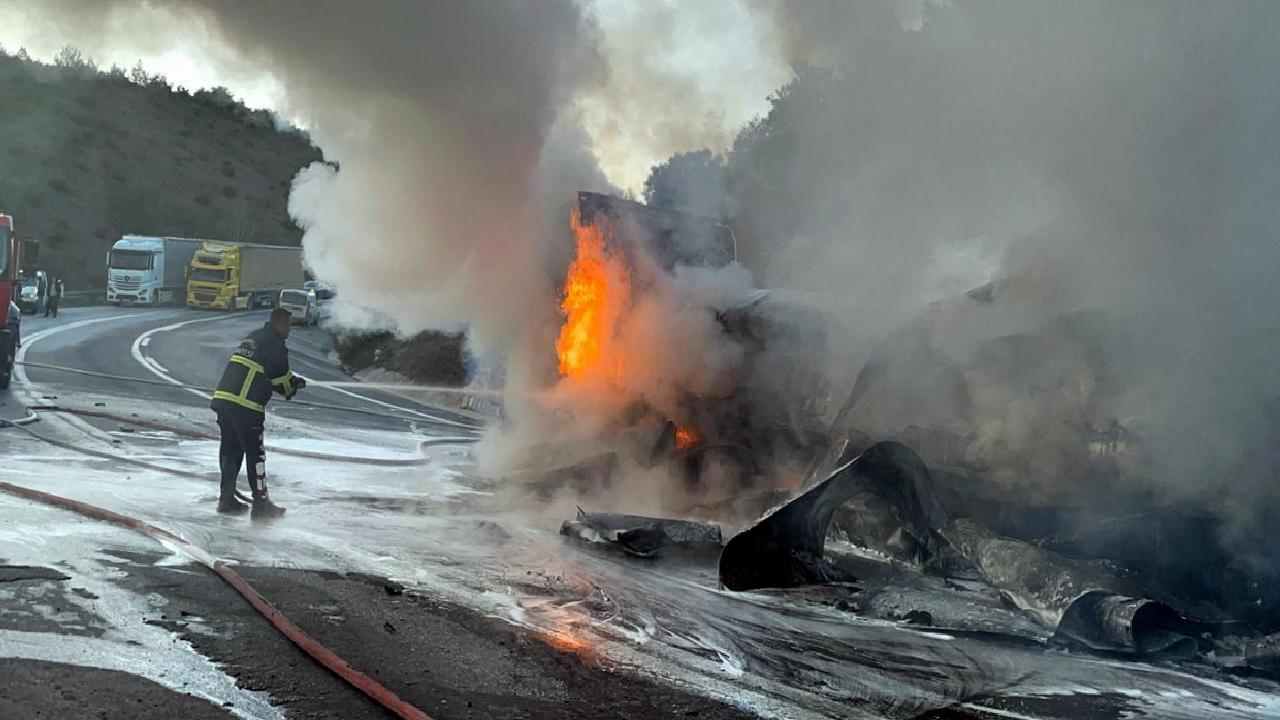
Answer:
(71, 58)
(691, 182)
(138, 75)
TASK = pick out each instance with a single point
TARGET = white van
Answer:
(30, 291)
(301, 304)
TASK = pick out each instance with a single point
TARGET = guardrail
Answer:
(81, 298)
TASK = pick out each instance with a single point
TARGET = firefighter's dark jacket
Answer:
(257, 368)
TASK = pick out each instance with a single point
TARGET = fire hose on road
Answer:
(321, 654)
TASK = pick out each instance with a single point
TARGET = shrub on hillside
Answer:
(96, 155)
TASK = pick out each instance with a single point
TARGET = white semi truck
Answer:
(147, 270)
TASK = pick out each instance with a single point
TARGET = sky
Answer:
(184, 53)
(715, 54)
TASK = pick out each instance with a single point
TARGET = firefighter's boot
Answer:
(263, 508)
(229, 505)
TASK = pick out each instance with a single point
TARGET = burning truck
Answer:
(672, 366)
(907, 487)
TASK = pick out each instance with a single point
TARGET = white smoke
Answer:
(1107, 158)
(445, 126)
(1111, 156)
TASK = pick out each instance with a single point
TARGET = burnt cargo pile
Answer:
(428, 358)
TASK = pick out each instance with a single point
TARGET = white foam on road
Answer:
(409, 524)
(128, 644)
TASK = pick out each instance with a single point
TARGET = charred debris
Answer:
(872, 517)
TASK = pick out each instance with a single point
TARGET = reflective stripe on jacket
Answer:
(257, 368)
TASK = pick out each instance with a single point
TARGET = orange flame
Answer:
(597, 292)
(687, 437)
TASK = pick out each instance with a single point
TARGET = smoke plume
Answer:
(450, 134)
(456, 135)
(1098, 158)
(1110, 160)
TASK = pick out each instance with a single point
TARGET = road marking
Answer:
(29, 388)
(144, 340)
(159, 371)
(20, 373)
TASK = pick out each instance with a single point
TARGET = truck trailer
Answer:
(149, 270)
(9, 261)
(668, 237)
(241, 276)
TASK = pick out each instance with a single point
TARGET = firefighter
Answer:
(56, 288)
(41, 288)
(258, 368)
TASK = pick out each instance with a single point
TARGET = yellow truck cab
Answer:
(241, 276)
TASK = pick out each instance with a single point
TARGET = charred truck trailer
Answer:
(772, 418)
(669, 237)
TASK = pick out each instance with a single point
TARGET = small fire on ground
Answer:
(687, 437)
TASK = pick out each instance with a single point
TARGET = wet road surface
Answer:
(452, 539)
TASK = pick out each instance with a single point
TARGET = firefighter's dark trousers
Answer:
(241, 442)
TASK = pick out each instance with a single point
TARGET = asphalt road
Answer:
(499, 616)
(190, 347)
(90, 626)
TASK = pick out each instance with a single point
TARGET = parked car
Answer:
(322, 290)
(15, 323)
(302, 304)
(29, 300)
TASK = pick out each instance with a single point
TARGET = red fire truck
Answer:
(8, 275)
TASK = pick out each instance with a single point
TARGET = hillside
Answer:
(86, 156)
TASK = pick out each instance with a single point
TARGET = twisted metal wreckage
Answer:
(876, 526)
(873, 519)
